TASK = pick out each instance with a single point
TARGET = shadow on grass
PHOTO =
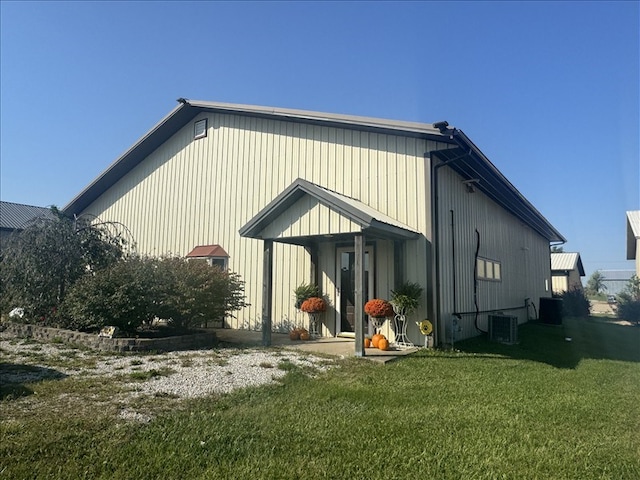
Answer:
(564, 346)
(14, 379)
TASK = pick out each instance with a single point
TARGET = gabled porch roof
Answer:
(294, 217)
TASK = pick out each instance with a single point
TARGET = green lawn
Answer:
(546, 408)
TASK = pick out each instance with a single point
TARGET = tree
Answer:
(629, 301)
(40, 263)
(557, 249)
(595, 284)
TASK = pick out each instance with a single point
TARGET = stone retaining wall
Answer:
(56, 335)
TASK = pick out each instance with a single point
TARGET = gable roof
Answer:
(469, 162)
(17, 216)
(365, 217)
(633, 233)
(565, 261)
(207, 251)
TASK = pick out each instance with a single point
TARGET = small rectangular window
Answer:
(489, 274)
(481, 268)
(218, 262)
(200, 128)
(489, 270)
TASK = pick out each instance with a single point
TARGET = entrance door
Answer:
(346, 280)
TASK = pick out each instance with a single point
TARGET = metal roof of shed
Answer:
(567, 261)
(17, 216)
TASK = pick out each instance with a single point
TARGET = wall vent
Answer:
(503, 329)
(200, 128)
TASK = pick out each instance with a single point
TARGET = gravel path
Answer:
(185, 374)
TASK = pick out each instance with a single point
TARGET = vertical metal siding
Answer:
(523, 254)
(190, 192)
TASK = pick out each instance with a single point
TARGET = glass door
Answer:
(346, 269)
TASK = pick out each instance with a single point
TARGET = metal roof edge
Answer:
(465, 142)
(333, 200)
(174, 120)
(321, 117)
(129, 159)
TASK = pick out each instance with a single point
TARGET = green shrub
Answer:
(136, 290)
(629, 301)
(121, 295)
(575, 303)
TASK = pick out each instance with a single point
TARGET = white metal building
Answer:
(566, 271)
(357, 205)
(633, 238)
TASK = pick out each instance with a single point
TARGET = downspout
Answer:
(435, 241)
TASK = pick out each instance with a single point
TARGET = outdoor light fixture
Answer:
(469, 184)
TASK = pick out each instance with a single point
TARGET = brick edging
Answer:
(166, 344)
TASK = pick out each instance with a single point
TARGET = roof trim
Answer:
(369, 219)
(469, 162)
(188, 109)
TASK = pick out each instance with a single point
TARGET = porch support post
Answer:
(267, 287)
(359, 293)
(398, 263)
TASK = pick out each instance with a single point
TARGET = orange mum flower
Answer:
(378, 308)
(313, 305)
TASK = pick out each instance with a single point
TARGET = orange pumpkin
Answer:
(304, 335)
(367, 342)
(375, 339)
(383, 344)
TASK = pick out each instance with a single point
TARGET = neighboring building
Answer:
(566, 271)
(616, 280)
(357, 205)
(633, 238)
(15, 217)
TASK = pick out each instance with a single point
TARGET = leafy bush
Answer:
(121, 295)
(629, 301)
(406, 297)
(303, 292)
(193, 292)
(133, 292)
(575, 303)
(40, 263)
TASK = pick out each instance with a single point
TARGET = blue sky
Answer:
(549, 91)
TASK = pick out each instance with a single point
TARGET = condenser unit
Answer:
(503, 329)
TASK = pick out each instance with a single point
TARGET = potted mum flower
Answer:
(314, 306)
(378, 309)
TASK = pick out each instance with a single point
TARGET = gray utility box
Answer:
(503, 329)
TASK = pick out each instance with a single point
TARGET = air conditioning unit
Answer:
(503, 329)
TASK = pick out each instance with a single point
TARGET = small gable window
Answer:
(200, 129)
(214, 255)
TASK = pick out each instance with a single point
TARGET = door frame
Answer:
(340, 249)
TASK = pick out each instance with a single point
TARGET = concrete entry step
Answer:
(335, 346)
